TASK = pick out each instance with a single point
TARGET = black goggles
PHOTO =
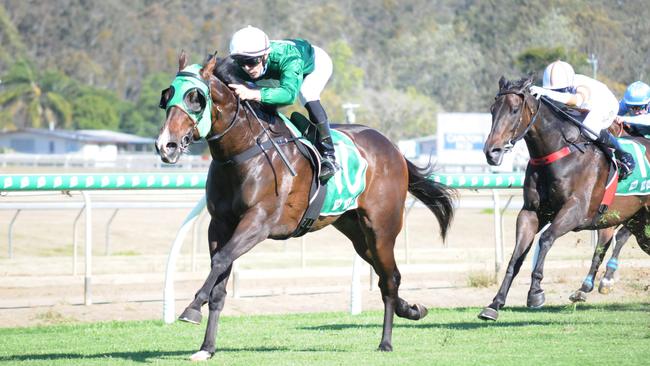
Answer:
(248, 61)
(636, 108)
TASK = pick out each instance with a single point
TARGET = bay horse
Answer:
(252, 200)
(566, 192)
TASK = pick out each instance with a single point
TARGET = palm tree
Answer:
(28, 103)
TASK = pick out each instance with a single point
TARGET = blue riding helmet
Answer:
(637, 94)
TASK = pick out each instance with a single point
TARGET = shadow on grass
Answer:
(581, 307)
(137, 356)
(456, 325)
(479, 324)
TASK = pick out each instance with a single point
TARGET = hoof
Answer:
(578, 296)
(488, 314)
(191, 316)
(536, 301)
(201, 356)
(385, 347)
(421, 309)
(606, 286)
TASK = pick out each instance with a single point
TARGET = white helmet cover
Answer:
(558, 75)
(249, 41)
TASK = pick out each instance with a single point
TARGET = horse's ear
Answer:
(530, 80)
(502, 82)
(182, 60)
(208, 68)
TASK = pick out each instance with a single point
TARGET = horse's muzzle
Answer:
(494, 156)
(169, 152)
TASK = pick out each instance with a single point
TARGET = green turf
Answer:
(593, 334)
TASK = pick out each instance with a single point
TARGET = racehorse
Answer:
(605, 236)
(606, 285)
(564, 183)
(255, 199)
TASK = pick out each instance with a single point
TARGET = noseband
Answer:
(512, 141)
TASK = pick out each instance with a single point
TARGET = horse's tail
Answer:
(436, 196)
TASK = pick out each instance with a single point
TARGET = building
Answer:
(89, 144)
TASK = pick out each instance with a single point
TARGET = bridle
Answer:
(513, 140)
(219, 136)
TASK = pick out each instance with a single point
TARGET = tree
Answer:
(398, 114)
(30, 104)
(145, 117)
(95, 112)
(536, 59)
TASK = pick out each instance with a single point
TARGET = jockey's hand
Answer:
(245, 93)
(537, 91)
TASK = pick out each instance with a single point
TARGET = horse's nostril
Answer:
(171, 146)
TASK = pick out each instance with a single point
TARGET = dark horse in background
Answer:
(258, 199)
(566, 193)
(605, 236)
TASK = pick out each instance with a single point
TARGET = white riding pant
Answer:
(601, 116)
(314, 83)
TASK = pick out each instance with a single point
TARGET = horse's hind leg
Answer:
(604, 240)
(379, 254)
(607, 282)
(351, 228)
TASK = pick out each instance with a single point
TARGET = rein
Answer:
(230, 125)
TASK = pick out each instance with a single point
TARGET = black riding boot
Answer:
(325, 145)
(626, 160)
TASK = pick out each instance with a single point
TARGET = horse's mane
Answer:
(230, 73)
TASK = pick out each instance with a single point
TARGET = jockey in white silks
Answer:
(562, 84)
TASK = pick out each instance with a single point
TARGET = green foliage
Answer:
(11, 44)
(95, 112)
(31, 103)
(536, 59)
(398, 114)
(347, 77)
(145, 117)
(451, 52)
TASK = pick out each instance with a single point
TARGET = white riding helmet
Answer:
(558, 75)
(250, 42)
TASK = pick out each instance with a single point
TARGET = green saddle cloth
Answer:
(344, 188)
(638, 183)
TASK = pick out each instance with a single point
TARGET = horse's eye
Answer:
(195, 101)
(515, 110)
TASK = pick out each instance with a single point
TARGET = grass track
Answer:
(615, 334)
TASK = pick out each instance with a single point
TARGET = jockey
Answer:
(635, 104)
(561, 84)
(301, 69)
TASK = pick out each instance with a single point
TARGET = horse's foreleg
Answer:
(604, 241)
(607, 282)
(566, 220)
(527, 226)
(219, 233)
(248, 233)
